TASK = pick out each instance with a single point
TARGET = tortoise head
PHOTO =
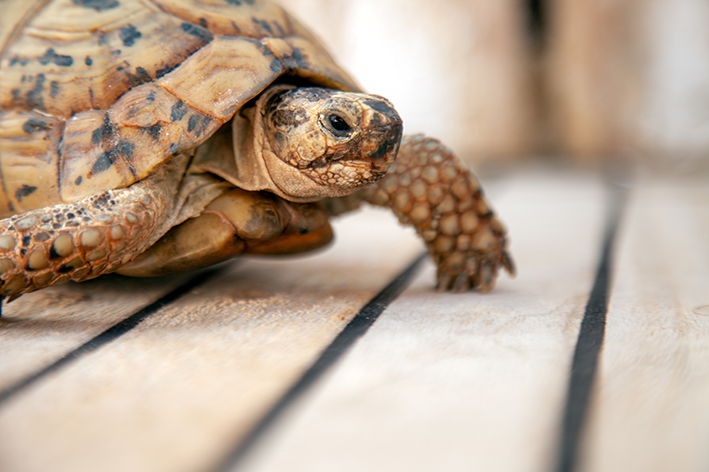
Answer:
(327, 143)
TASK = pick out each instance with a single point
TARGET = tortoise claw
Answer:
(462, 283)
(487, 278)
(508, 264)
(475, 273)
(444, 281)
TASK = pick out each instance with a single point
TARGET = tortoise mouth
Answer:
(345, 174)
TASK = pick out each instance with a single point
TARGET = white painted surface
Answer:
(440, 382)
(179, 390)
(39, 328)
(461, 382)
(651, 411)
(674, 116)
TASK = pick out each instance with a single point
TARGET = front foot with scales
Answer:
(428, 188)
(79, 241)
(118, 231)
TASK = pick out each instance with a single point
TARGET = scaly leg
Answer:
(237, 222)
(428, 189)
(82, 240)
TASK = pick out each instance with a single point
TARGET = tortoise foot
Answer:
(77, 241)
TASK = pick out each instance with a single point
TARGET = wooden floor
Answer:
(594, 359)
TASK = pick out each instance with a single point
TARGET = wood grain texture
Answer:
(39, 328)
(651, 411)
(461, 381)
(177, 392)
(439, 382)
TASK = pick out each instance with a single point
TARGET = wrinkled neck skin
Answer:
(257, 166)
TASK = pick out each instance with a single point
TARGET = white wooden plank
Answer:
(651, 408)
(41, 327)
(178, 391)
(461, 382)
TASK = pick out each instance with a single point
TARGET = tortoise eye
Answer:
(338, 125)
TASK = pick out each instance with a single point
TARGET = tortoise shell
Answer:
(98, 94)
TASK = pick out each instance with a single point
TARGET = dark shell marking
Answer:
(129, 34)
(24, 191)
(98, 5)
(58, 59)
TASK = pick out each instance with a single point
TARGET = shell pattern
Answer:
(97, 94)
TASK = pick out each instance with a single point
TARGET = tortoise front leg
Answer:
(238, 222)
(429, 189)
(81, 240)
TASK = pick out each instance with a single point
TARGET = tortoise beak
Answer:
(381, 133)
(381, 149)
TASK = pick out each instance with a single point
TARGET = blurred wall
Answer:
(602, 78)
(629, 76)
(456, 70)
(591, 74)
(673, 118)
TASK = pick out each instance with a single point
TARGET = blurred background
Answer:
(504, 80)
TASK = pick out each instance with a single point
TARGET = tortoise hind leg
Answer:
(81, 240)
(237, 222)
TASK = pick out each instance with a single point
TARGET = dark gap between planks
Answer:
(354, 330)
(590, 339)
(111, 334)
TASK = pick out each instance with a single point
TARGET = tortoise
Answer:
(149, 137)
